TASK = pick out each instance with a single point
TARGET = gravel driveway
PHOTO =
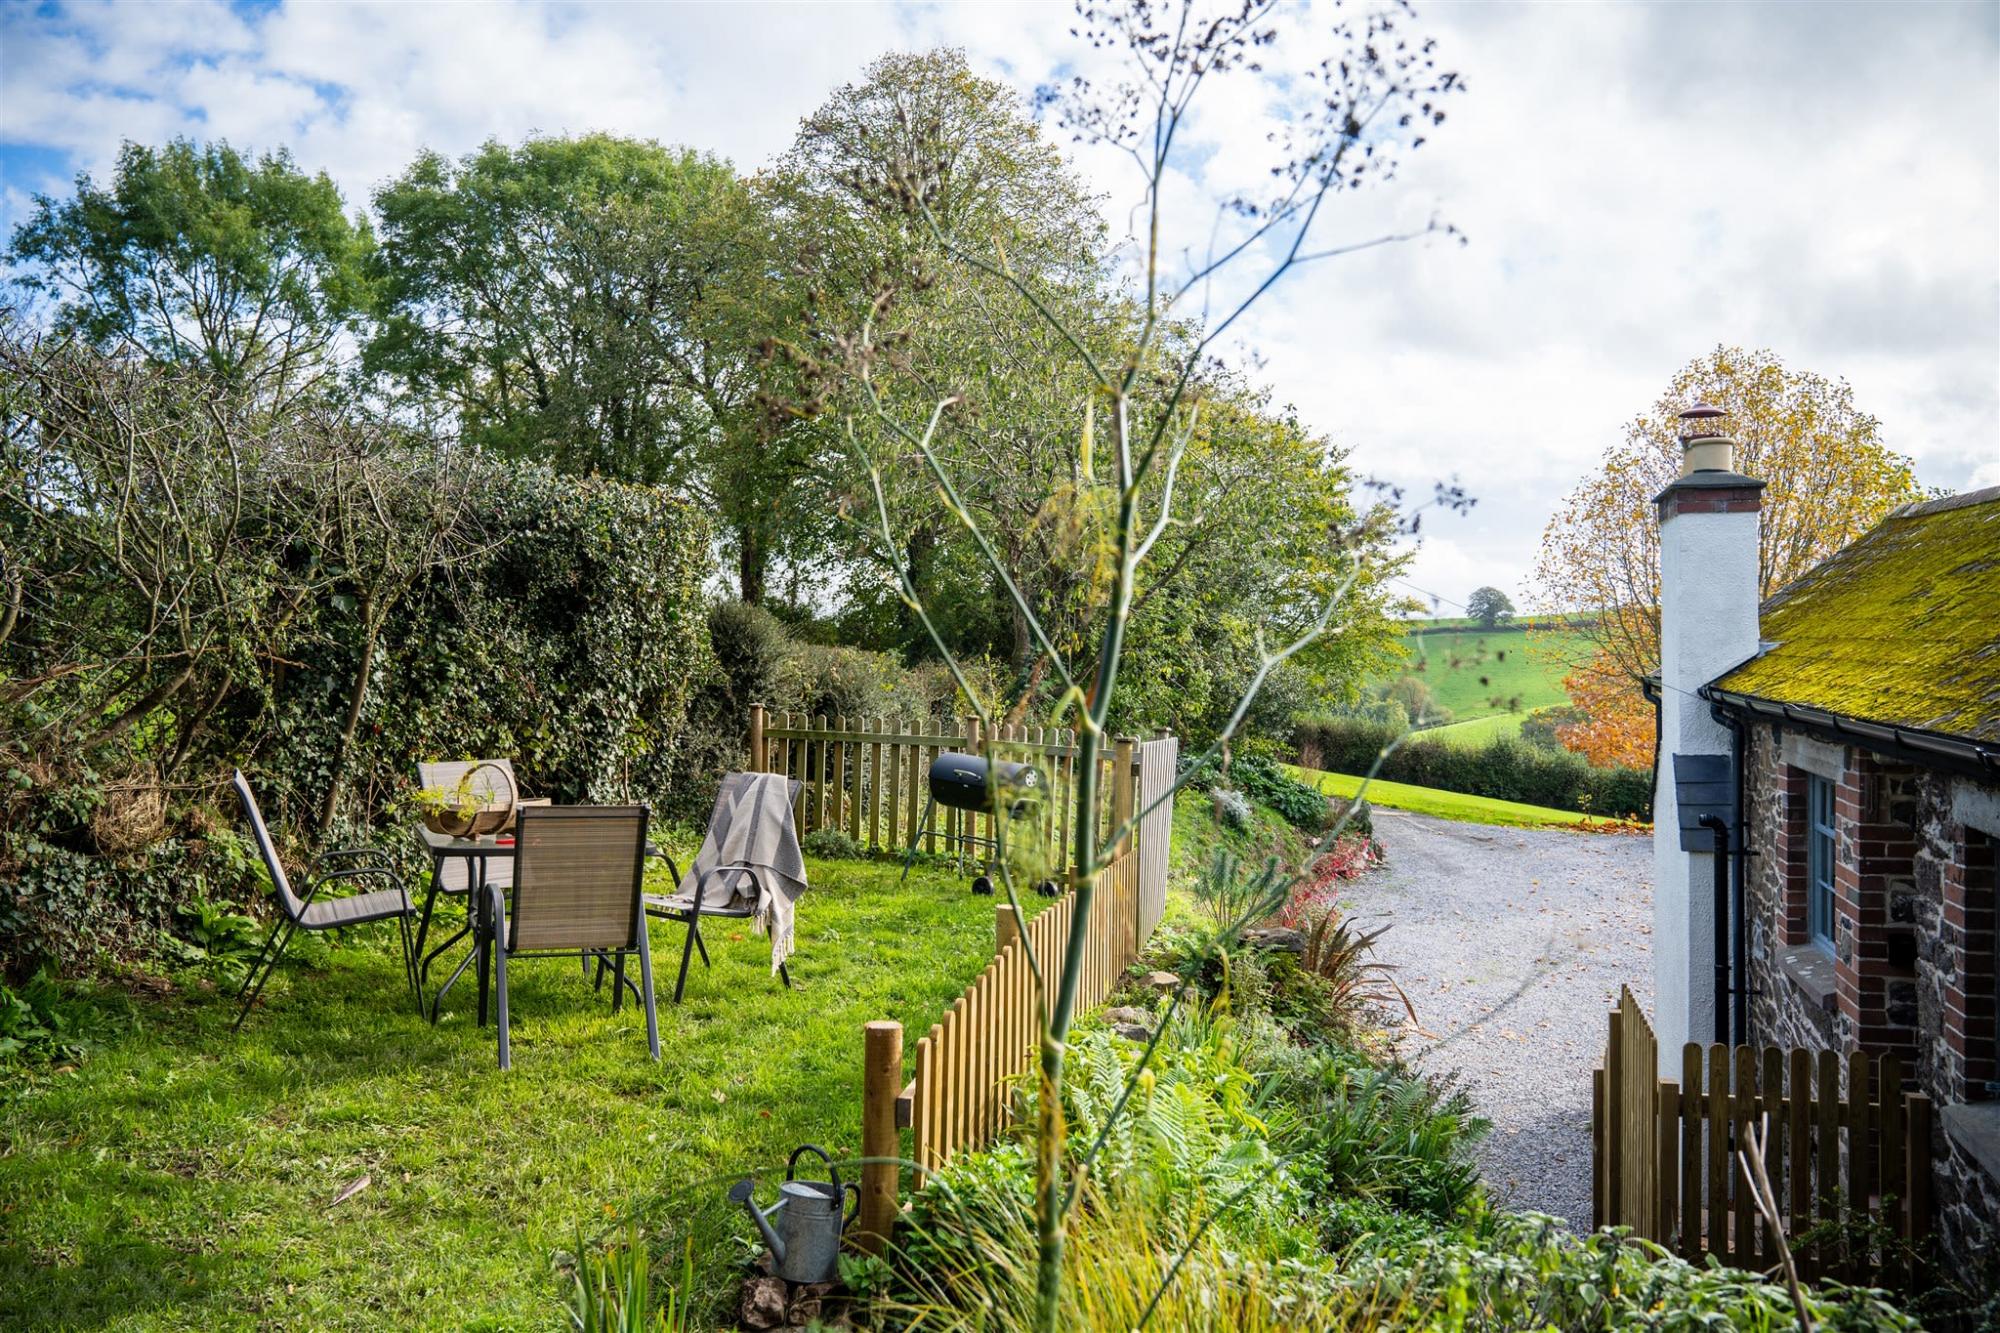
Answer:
(1512, 944)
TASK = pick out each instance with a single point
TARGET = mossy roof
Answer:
(1902, 627)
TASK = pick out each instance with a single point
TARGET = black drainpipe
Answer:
(1736, 1004)
(1738, 871)
(1715, 825)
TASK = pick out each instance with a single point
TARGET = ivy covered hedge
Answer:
(572, 645)
(563, 626)
(1503, 769)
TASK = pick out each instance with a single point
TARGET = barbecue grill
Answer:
(969, 782)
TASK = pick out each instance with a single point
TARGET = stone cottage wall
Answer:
(1785, 1009)
(1912, 972)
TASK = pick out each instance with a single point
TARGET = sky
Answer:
(1635, 184)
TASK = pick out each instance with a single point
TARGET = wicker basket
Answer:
(492, 819)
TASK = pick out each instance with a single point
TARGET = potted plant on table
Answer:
(467, 809)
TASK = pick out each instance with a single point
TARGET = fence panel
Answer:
(958, 1096)
(1667, 1163)
(1157, 760)
(867, 777)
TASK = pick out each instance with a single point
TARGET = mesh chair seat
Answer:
(682, 904)
(355, 910)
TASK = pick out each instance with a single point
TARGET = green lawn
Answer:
(1477, 673)
(183, 1177)
(1474, 732)
(1446, 804)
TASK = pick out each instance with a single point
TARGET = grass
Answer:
(1519, 624)
(1476, 673)
(1198, 835)
(182, 1177)
(1449, 804)
(1475, 732)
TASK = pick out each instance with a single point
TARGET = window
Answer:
(1819, 860)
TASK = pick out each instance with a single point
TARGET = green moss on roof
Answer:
(1902, 627)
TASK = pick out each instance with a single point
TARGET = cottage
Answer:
(1828, 802)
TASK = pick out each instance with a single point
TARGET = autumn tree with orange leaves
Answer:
(1828, 478)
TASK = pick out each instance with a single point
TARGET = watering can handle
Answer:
(792, 1163)
(855, 1208)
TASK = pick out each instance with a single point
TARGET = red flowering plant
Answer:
(1350, 856)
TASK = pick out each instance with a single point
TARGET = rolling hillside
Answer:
(1483, 673)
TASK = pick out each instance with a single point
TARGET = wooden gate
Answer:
(1852, 1162)
(1157, 760)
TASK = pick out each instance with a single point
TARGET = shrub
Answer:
(1260, 779)
(1302, 806)
(1503, 769)
(850, 683)
(1390, 1134)
(45, 1021)
(1350, 816)
(570, 638)
(1520, 1270)
(1542, 727)
(1232, 808)
(611, 1289)
(832, 844)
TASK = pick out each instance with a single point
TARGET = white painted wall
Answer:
(1708, 624)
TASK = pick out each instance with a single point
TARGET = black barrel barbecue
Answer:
(970, 782)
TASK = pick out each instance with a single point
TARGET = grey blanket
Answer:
(750, 857)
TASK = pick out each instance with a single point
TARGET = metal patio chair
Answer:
(344, 865)
(577, 892)
(687, 907)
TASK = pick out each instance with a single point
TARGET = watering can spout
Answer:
(740, 1193)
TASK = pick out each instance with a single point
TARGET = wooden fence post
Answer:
(1121, 791)
(757, 764)
(1006, 927)
(881, 1142)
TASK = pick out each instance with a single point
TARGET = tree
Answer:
(952, 330)
(1489, 606)
(602, 304)
(198, 255)
(1828, 475)
(1250, 549)
(1348, 119)
(168, 534)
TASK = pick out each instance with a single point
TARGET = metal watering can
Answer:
(806, 1244)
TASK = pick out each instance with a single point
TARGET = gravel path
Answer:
(1512, 944)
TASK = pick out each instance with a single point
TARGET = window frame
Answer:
(1822, 845)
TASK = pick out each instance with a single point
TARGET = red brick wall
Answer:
(1967, 934)
(1875, 812)
(1790, 860)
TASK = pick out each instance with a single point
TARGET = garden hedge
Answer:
(571, 640)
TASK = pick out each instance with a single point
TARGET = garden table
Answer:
(475, 852)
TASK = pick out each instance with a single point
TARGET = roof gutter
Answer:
(1974, 758)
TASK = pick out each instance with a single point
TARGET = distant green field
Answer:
(1479, 673)
(1446, 804)
(1514, 626)
(1475, 732)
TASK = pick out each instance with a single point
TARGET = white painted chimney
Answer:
(1708, 624)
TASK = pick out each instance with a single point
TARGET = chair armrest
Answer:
(380, 872)
(661, 854)
(374, 855)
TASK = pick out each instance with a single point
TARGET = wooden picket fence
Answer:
(963, 1072)
(1666, 1165)
(867, 776)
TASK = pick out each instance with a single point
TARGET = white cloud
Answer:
(1638, 183)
